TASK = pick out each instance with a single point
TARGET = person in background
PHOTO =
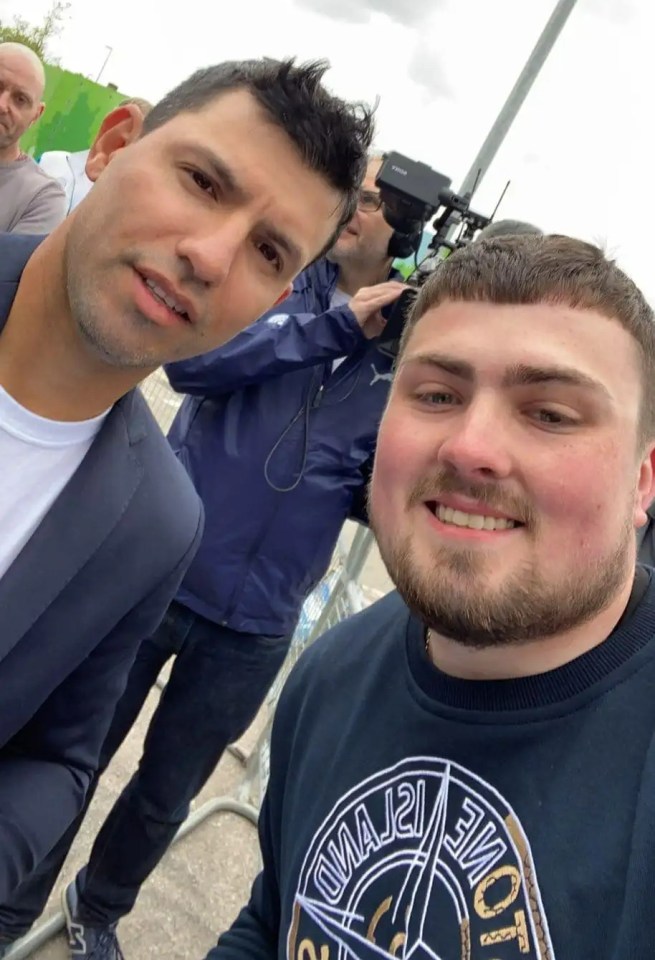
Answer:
(30, 200)
(508, 228)
(69, 169)
(242, 175)
(467, 768)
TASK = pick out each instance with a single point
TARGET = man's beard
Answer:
(453, 600)
(113, 340)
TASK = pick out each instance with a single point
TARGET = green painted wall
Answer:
(74, 110)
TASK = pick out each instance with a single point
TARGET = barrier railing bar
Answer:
(36, 938)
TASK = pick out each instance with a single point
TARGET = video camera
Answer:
(412, 193)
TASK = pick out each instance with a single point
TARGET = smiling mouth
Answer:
(473, 521)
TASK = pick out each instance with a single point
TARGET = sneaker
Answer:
(86, 942)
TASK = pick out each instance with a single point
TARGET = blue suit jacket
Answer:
(93, 581)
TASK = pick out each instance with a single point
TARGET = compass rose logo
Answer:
(424, 861)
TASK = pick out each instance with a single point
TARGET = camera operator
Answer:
(274, 434)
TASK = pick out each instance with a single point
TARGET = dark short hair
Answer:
(547, 269)
(331, 135)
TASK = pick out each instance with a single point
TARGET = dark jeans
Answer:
(218, 682)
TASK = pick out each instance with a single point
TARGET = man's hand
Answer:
(368, 303)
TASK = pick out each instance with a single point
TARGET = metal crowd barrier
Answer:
(336, 597)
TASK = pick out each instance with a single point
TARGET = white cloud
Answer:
(361, 11)
(617, 11)
(427, 71)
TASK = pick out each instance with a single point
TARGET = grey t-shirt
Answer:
(30, 200)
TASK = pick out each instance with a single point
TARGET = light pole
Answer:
(519, 92)
(106, 60)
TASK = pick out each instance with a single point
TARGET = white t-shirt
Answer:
(69, 170)
(38, 458)
(338, 299)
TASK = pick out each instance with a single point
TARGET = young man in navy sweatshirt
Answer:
(467, 769)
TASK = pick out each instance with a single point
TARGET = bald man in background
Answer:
(30, 200)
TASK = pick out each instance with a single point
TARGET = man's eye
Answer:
(270, 254)
(202, 181)
(552, 418)
(436, 398)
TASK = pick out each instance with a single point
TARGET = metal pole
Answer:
(106, 61)
(359, 551)
(519, 92)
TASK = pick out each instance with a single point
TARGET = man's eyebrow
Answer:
(522, 374)
(518, 375)
(442, 363)
(223, 172)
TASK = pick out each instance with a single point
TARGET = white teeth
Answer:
(459, 518)
(163, 296)
(476, 521)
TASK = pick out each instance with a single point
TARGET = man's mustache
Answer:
(491, 495)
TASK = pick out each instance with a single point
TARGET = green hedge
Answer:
(75, 107)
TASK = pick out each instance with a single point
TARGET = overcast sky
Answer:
(578, 155)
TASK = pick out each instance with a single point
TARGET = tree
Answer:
(37, 38)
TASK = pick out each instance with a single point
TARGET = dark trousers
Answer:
(218, 682)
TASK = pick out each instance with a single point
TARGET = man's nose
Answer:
(478, 444)
(212, 252)
(355, 220)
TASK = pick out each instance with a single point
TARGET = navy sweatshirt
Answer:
(410, 814)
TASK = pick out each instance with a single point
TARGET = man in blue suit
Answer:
(242, 176)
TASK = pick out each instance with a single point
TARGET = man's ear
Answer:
(40, 110)
(283, 296)
(645, 488)
(119, 129)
